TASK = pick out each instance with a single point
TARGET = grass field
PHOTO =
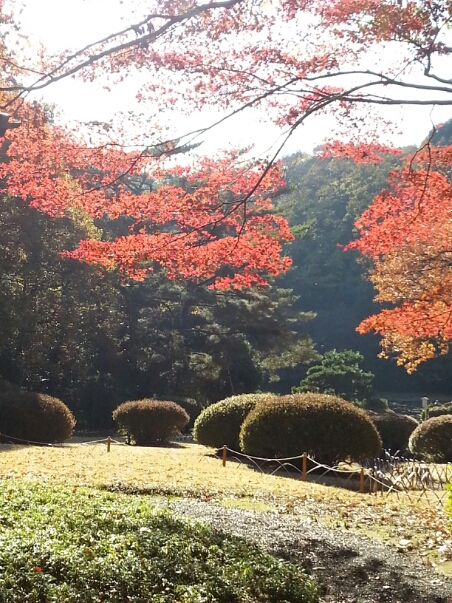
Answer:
(185, 469)
(189, 470)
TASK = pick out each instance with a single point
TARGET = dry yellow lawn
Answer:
(187, 468)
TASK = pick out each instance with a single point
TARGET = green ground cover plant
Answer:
(80, 545)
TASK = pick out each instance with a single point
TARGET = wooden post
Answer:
(304, 463)
(108, 443)
(361, 481)
(225, 454)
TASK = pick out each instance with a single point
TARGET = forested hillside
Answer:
(324, 199)
(93, 337)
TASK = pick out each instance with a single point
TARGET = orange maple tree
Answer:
(190, 220)
(292, 59)
(407, 232)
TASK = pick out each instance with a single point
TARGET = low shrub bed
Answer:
(83, 545)
(437, 410)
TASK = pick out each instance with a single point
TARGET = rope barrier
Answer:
(60, 444)
(32, 442)
(282, 461)
(393, 474)
(382, 476)
(119, 443)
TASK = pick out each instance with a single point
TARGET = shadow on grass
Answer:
(348, 479)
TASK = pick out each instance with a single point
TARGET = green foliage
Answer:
(441, 135)
(219, 424)
(58, 317)
(87, 336)
(191, 406)
(376, 404)
(395, 429)
(437, 410)
(324, 426)
(79, 546)
(150, 422)
(339, 373)
(325, 198)
(449, 500)
(35, 417)
(432, 439)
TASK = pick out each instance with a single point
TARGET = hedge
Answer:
(150, 422)
(394, 429)
(326, 427)
(219, 424)
(34, 417)
(432, 439)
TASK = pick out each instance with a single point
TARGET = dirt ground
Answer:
(350, 568)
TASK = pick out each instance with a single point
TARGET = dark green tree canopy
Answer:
(339, 373)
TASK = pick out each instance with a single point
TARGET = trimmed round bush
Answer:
(34, 417)
(192, 407)
(394, 429)
(219, 424)
(326, 427)
(150, 422)
(432, 439)
(375, 404)
(437, 410)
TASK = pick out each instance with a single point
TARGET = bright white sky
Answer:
(74, 23)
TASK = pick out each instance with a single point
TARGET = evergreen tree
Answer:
(339, 373)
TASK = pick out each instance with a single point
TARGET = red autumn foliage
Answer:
(292, 59)
(194, 222)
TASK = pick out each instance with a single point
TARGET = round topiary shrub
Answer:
(191, 406)
(432, 439)
(219, 424)
(150, 422)
(324, 426)
(437, 410)
(34, 417)
(394, 429)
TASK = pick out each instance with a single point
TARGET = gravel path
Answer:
(350, 568)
